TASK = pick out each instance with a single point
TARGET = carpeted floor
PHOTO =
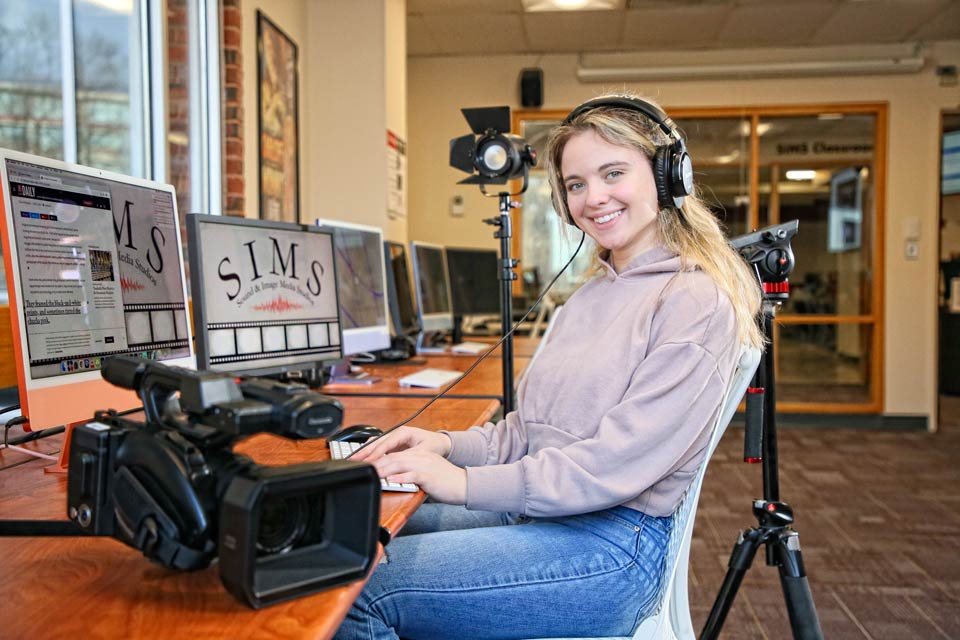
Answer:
(878, 513)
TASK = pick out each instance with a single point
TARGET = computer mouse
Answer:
(357, 433)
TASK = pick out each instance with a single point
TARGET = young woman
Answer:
(555, 520)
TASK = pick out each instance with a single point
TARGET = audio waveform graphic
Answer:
(278, 305)
(130, 285)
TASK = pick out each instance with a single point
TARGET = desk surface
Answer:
(98, 587)
(484, 381)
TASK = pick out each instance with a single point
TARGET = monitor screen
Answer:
(95, 270)
(264, 295)
(362, 282)
(845, 213)
(432, 286)
(403, 313)
(473, 281)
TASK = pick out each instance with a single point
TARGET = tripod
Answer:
(506, 277)
(774, 517)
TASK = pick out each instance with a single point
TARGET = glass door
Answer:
(821, 165)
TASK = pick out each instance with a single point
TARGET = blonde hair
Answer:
(692, 232)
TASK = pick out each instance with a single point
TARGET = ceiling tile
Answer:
(676, 28)
(774, 24)
(942, 26)
(419, 40)
(879, 21)
(574, 31)
(460, 7)
(490, 33)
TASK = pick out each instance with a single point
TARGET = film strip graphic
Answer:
(229, 342)
(151, 326)
(171, 344)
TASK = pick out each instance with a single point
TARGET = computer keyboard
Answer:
(340, 450)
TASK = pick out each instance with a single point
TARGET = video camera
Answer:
(171, 487)
(769, 251)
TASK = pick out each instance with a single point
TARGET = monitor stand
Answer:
(431, 342)
(342, 372)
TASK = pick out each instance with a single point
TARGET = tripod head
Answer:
(769, 251)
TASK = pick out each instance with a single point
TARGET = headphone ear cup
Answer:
(661, 176)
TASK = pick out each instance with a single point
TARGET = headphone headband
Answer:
(672, 168)
(627, 102)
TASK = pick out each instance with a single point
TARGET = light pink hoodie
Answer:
(616, 409)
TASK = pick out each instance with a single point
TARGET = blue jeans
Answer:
(454, 573)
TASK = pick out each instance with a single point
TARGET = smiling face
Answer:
(611, 195)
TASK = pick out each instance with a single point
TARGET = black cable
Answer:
(488, 352)
(36, 435)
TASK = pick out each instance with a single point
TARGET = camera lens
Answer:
(283, 519)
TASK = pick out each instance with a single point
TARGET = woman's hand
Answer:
(438, 477)
(402, 439)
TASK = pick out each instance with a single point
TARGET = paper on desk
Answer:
(473, 348)
(429, 378)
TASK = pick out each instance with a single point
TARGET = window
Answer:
(760, 166)
(131, 86)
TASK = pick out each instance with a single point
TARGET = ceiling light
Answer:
(829, 116)
(809, 68)
(762, 128)
(571, 5)
(801, 174)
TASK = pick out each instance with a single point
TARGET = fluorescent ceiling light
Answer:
(830, 116)
(753, 70)
(801, 174)
(571, 5)
(762, 128)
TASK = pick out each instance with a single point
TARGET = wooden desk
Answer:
(484, 381)
(100, 588)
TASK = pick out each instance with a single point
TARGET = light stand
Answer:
(494, 156)
(769, 252)
(506, 277)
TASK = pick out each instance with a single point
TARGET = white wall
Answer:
(290, 17)
(439, 87)
(352, 60)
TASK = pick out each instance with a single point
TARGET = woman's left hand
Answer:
(440, 479)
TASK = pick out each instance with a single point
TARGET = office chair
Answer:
(671, 620)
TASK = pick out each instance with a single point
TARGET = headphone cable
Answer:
(488, 351)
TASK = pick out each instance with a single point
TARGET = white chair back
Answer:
(671, 620)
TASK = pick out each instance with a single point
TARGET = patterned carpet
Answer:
(878, 513)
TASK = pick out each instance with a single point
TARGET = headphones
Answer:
(672, 167)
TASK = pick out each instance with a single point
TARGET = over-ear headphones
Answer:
(672, 167)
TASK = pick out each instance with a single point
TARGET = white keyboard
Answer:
(340, 450)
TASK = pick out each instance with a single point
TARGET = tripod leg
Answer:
(796, 590)
(740, 560)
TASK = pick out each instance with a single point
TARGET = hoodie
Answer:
(618, 406)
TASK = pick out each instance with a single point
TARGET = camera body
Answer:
(769, 250)
(170, 485)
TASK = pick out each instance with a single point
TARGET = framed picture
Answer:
(277, 123)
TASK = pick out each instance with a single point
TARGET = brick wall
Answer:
(178, 103)
(233, 182)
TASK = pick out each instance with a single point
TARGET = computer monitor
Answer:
(432, 286)
(361, 279)
(403, 313)
(845, 213)
(264, 295)
(474, 281)
(94, 269)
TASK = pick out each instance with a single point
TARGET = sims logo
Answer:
(282, 263)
